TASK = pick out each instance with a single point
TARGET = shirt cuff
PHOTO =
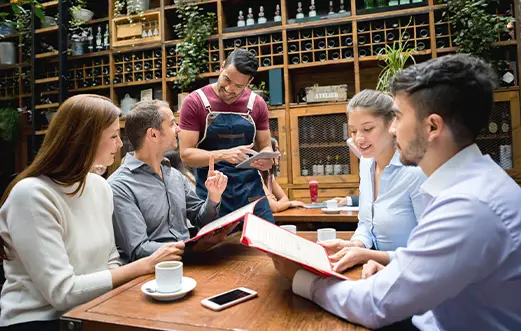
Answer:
(302, 283)
(349, 201)
(391, 255)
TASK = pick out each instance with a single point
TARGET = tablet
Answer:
(262, 155)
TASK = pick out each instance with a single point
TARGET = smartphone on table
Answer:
(227, 299)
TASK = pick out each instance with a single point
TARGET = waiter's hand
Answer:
(238, 154)
(262, 164)
(215, 182)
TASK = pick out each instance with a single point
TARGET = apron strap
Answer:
(251, 101)
(204, 99)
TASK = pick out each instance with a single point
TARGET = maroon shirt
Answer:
(193, 114)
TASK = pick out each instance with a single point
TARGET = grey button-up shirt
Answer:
(150, 211)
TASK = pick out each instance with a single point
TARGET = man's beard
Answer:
(415, 152)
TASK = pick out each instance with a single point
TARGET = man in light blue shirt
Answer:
(461, 269)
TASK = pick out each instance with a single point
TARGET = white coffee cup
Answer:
(290, 228)
(326, 234)
(169, 276)
(331, 204)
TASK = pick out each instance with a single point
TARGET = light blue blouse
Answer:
(386, 223)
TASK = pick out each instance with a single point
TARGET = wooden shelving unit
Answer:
(342, 40)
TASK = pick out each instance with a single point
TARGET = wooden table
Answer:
(302, 215)
(226, 266)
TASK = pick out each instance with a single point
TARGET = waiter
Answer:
(225, 119)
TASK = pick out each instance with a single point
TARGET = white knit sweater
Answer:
(61, 248)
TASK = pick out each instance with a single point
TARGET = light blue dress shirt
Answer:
(386, 223)
(461, 268)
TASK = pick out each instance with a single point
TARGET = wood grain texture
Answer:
(225, 267)
(302, 215)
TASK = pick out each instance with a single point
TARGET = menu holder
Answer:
(268, 237)
(228, 219)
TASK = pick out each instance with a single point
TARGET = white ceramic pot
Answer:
(126, 104)
(49, 115)
(83, 15)
(138, 5)
(7, 53)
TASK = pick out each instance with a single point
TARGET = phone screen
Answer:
(229, 297)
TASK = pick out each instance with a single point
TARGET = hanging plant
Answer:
(17, 7)
(475, 28)
(9, 123)
(194, 27)
(395, 58)
(134, 7)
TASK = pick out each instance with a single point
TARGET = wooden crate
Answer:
(127, 30)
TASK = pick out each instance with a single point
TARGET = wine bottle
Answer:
(305, 58)
(322, 57)
(157, 74)
(424, 33)
(319, 32)
(348, 41)
(279, 49)
(321, 44)
(337, 167)
(440, 44)
(335, 56)
(252, 41)
(128, 68)
(295, 59)
(293, 48)
(253, 51)
(157, 63)
(361, 40)
(345, 29)
(308, 46)
(362, 52)
(138, 67)
(128, 78)
(331, 43)
(117, 79)
(266, 62)
(420, 45)
(377, 38)
(331, 31)
(171, 51)
(304, 171)
(348, 54)
(157, 53)
(329, 167)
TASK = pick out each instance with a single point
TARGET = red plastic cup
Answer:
(313, 191)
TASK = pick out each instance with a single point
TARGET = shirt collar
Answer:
(395, 161)
(443, 177)
(133, 163)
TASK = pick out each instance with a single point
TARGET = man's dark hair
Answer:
(459, 88)
(142, 116)
(244, 61)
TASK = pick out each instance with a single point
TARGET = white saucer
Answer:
(331, 210)
(149, 289)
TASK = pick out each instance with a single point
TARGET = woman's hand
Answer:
(294, 203)
(348, 257)
(333, 246)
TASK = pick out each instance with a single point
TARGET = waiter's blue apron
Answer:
(225, 131)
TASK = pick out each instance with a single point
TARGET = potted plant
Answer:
(9, 123)
(395, 58)
(475, 28)
(260, 90)
(194, 27)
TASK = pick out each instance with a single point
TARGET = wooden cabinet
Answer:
(323, 193)
(318, 145)
(278, 131)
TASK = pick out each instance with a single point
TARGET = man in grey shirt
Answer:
(152, 200)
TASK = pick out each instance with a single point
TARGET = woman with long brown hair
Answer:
(57, 239)
(277, 199)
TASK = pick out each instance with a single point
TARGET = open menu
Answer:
(262, 155)
(268, 237)
(233, 217)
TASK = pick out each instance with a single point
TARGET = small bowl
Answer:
(83, 15)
